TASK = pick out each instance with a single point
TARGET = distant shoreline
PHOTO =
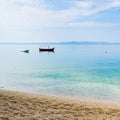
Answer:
(18, 105)
(62, 43)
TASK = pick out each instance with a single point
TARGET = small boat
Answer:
(26, 51)
(47, 49)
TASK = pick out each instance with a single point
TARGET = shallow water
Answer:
(79, 71)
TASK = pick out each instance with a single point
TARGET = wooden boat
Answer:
(47, 49)
(26, 51)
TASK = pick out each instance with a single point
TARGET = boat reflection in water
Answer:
(46, 49)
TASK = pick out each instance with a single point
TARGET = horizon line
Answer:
(62, 43)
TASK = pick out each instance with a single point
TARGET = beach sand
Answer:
(26, 106)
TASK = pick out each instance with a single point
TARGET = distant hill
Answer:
(89, 43)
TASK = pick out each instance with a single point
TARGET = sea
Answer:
(88, 72)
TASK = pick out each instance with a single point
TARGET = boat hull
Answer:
(46, 49)
(26, 51)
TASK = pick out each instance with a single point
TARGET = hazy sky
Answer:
(59, 20)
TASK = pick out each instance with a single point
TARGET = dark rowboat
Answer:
(47, 49)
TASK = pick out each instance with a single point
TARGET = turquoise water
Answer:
(78, 71)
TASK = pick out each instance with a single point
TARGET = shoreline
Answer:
(20, 105)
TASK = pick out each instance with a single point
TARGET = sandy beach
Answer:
(26, 106)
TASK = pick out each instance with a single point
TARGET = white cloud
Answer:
(14, 13)
(91, 7)
(37, 13)
(84, 4)
(108, 24)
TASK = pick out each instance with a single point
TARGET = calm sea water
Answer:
(78, 71)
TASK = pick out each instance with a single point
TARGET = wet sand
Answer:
(26, 106)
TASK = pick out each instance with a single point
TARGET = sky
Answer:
(59, 20)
